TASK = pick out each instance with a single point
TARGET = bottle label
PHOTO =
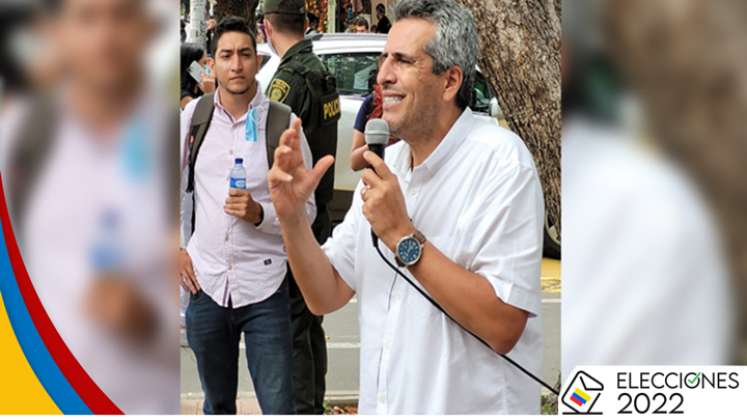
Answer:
(238, 183)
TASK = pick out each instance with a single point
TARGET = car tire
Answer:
(551, 243)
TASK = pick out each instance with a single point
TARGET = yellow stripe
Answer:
(20, 390)
(582, 394)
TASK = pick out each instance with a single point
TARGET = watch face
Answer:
(408, 250)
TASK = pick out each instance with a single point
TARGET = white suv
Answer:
(351, 58)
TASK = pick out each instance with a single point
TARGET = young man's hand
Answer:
(187, 277)
(240, 204)
(116, 304)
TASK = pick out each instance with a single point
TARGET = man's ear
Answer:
(454, 77)
(268, 28)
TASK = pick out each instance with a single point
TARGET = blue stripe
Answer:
(580, 397)
(45, 368)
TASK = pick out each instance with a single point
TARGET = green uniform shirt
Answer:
(303, 83)
(289, 86)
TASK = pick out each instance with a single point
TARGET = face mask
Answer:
(250, 130)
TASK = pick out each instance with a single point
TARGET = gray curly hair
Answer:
(455, 43)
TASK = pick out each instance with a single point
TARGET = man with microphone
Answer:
(458, 206)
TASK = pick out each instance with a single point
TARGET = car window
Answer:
(352, 71)
(481, 94)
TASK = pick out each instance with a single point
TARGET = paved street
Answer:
(344, 343)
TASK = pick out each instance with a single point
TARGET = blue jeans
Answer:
(213, 333)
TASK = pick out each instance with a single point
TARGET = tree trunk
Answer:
(243, 8)
(520, 46)
(196, 31)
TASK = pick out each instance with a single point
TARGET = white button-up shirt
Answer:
(233, 259)
(667, 291)
(476, 198)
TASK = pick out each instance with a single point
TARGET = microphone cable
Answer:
(440, 308)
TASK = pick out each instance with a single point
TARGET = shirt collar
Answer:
(445, 149)
(257, 101)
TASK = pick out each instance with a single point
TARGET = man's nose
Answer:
(236, 64)
(386, 75)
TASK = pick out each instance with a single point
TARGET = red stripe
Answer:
(86, 388)
(576, 400)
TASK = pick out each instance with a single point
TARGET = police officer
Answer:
(303, 83)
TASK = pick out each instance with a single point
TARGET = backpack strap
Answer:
(197, 130)
(278, 120)
(28, 156)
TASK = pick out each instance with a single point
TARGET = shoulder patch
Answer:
(279, 90)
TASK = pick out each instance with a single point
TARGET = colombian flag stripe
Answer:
(41, 362)
(575, 398)
(584, 396)
(59, 372)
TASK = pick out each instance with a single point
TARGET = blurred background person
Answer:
(260, 24)
(359, 25)
(27, 60)
(190, 88)
(86, 171)
(372, 107)
(383, 24)
(313, 24)
(646, 276)
(210, 35)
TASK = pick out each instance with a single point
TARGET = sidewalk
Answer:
(247, 404)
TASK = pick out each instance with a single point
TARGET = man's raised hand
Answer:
(290, 182)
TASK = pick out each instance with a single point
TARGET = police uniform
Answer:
(303, 83)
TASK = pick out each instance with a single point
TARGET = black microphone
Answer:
(377, 137)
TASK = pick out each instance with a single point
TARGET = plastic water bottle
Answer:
(238, 175)
(106, 253)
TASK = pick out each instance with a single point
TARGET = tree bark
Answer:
(197, 23)
(520, 46)
(243, 8)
